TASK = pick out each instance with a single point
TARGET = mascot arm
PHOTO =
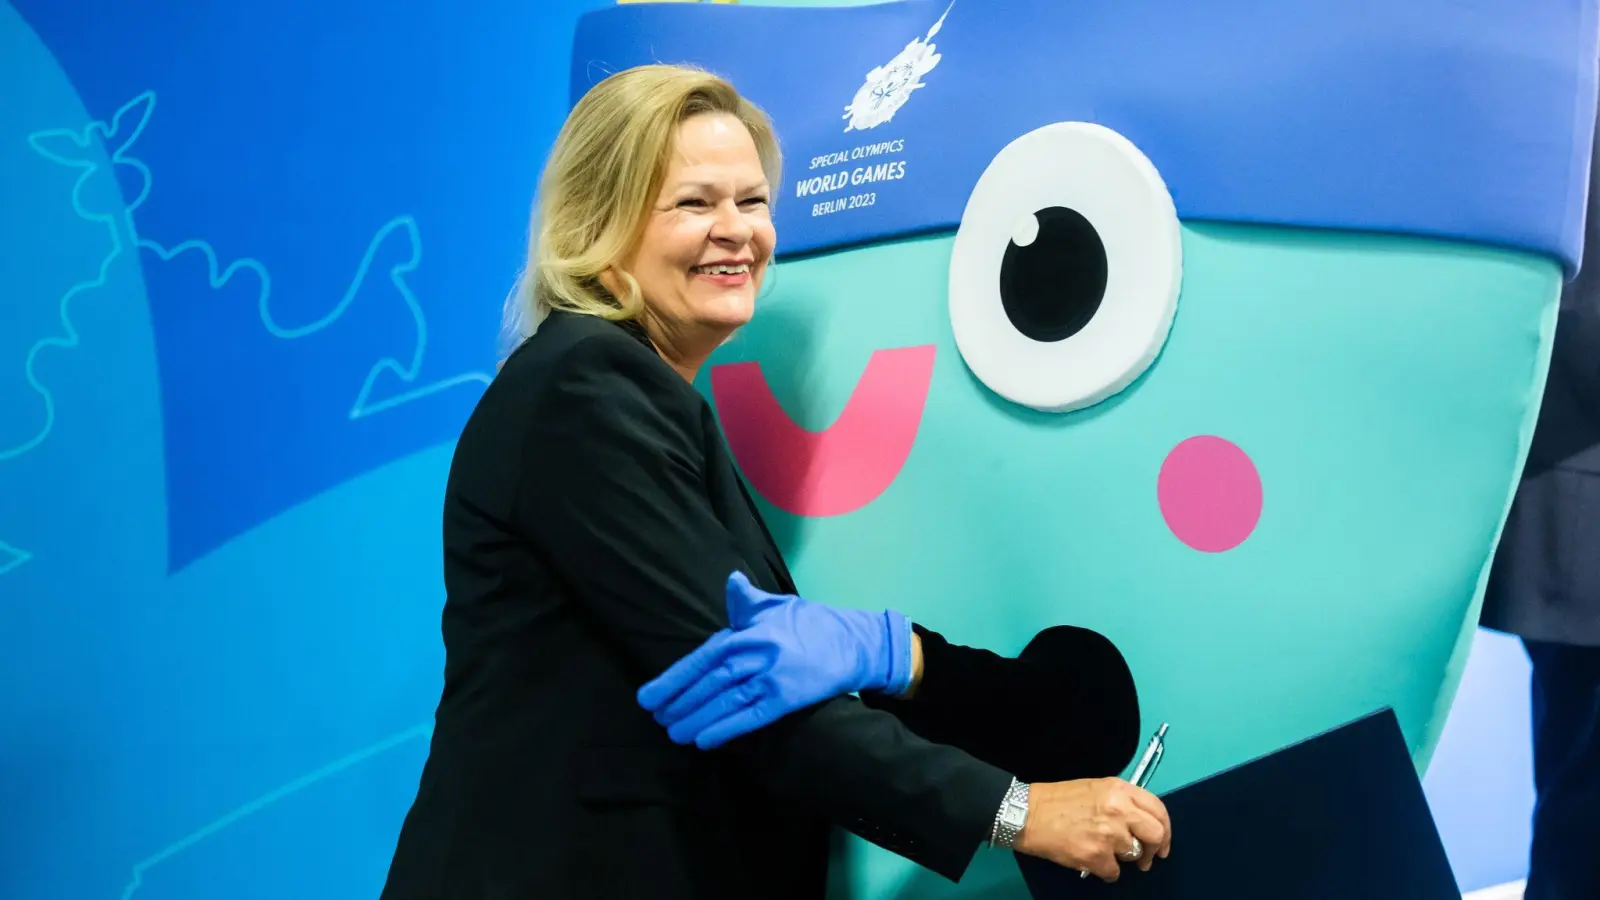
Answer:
(1065, 708)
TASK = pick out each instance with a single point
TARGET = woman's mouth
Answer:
(724, 275)
(846, 465)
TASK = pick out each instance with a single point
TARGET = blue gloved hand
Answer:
(781, 654)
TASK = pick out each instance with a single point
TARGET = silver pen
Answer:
(1146, 769)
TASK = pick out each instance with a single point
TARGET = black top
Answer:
(591, 519)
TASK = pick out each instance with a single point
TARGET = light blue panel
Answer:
(1480, 783)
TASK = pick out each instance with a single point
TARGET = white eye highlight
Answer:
(1027, 230)
(1066, 270)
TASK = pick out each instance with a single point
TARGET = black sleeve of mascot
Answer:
(1065, 708)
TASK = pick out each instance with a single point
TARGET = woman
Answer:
(592, 521)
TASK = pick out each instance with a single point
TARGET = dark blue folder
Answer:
(1338, 816)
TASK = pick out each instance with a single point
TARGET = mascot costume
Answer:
(1216, 328)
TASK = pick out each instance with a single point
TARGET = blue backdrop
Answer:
(254, 256)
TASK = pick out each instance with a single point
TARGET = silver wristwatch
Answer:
(1010, 818)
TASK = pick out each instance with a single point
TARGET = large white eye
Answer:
(1066, 269)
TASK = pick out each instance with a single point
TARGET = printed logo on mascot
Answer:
(889, 86)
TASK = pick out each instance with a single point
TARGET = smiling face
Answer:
(1269, 463)
(706, 243)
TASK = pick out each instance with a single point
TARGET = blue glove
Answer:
(783, 653)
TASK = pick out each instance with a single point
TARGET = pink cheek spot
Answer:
(1210, 493)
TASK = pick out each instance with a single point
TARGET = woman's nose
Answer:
(730, 224)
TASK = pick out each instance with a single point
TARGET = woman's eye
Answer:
(693, 202)
(755, 201)
(1066, 269)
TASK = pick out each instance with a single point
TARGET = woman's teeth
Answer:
(723, 270)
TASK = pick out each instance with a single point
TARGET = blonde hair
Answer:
(601, 181)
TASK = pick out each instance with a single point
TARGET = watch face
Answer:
(1015, 816)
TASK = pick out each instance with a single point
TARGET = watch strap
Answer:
(1011, 816)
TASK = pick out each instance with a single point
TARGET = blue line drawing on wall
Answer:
(128, 122)
(407, 372)
(125, 234)
(68, 148)
(243, 811)
(71, 148)
(11, 557)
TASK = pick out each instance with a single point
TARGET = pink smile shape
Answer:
(843, 467)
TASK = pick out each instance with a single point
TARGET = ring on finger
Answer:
(1133, 853)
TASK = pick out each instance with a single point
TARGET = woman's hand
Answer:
(782, 653)
(1089, 825)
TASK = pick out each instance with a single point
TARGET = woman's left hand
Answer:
(782, 653)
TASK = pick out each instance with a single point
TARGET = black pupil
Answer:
(1051, 288)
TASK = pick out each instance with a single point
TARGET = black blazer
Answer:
(592, 517)
(1545, 581)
